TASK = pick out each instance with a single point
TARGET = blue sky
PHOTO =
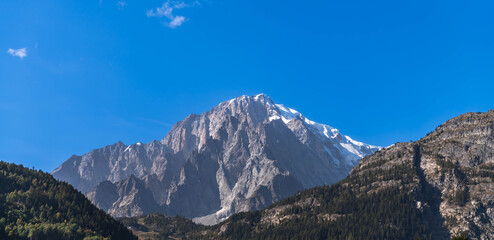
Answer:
(78, 75)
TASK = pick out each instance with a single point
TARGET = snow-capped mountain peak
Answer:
(242, 155)
(354, 149)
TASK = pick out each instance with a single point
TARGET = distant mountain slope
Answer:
(242, 155)
(435, 188)
(33, 205)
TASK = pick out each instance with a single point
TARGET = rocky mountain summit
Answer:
(438, 187)
(242, 155)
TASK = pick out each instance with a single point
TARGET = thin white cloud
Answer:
(180, 5)
(121, 4)
(21, 52)
(176, 21)
(166, 11)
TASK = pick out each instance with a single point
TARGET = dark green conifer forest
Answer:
(33, 205)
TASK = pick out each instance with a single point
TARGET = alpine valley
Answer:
(243, 155)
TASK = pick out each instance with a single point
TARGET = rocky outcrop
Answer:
(242, 155)
(458, 161)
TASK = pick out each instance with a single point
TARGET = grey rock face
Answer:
(242, 155)
(458, 160)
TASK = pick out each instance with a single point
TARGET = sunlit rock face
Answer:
(242, 155)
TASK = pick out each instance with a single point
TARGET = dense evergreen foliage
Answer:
(460, 237)
(33, 205)
(162, 227)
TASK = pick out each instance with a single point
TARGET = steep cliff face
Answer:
(435, 188)
(242, 155)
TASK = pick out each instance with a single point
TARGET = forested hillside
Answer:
(33, 205)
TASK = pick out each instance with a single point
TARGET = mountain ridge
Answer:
(251, 152)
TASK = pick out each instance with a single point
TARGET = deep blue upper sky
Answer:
(96, 72)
